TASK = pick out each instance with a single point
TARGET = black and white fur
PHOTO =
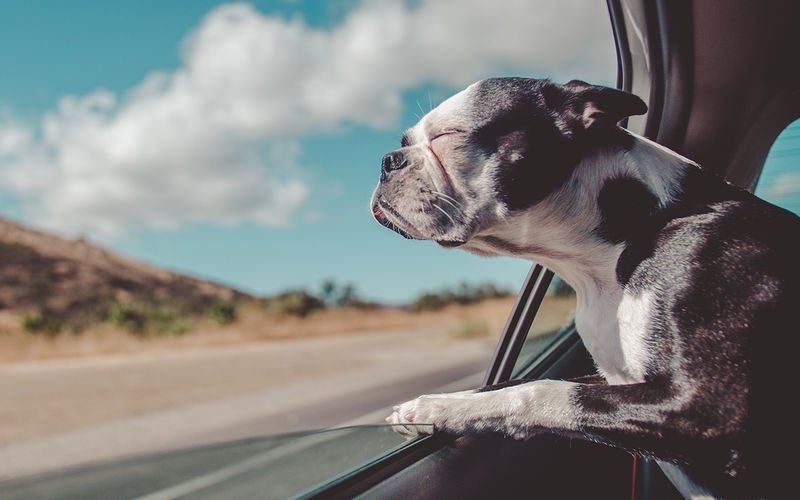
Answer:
(685, 284)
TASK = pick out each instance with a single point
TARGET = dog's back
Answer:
(723, 269)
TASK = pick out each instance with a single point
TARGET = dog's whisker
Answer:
(448, 197)
(445, 213)
(449, 200)
(453, 204)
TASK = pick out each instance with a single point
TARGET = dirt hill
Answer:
(72, 283)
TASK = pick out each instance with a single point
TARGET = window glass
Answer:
(780, 179)
(273, 467)
(555, 316)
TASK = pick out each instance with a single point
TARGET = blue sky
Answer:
(241, 142)
(780, 179)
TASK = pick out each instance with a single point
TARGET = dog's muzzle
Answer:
(392, 161)
(380, 216)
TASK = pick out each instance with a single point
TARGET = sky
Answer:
(240, 142)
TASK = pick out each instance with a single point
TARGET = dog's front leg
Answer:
(515, 411)
(631, 416)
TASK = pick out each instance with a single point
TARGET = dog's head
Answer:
(498, 147)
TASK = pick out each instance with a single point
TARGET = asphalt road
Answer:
(166, 402)
(358, 407)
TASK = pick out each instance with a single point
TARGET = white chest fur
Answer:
(614, 326)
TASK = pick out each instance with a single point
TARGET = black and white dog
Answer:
(685, 285)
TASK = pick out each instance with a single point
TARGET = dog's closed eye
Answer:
(445, 140)
(445, 134)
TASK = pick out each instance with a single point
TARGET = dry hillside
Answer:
(74, 283)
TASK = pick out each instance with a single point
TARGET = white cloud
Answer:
(187, 146)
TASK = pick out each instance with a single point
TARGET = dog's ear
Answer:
(590, 107)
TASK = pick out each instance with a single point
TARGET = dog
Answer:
(685, 284)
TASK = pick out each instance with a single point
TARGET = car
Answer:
(721, 81)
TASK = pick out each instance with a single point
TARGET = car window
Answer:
(780, 179)
(283, 466)
(554, 318)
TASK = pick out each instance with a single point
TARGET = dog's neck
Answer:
(561, 231)
(564, 233)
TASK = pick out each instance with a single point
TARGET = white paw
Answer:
(423, 415)
(408, 429)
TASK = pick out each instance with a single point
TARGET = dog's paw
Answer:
(407, 429)
(416, 417)
(429, 413)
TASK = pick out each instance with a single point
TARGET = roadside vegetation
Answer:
(464, 294)
(148, 319)
(467, 311)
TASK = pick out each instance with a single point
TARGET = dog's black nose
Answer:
(393, 161)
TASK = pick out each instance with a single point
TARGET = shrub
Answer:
(127, 317)
(36, 322)
(465, 294)
(162, 321)
(428, 302)
(294, 303)
(32, 322)
(223, 312)
(333, 294)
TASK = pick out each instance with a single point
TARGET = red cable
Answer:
(633, 480)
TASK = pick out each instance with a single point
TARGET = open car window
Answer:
(554, 319)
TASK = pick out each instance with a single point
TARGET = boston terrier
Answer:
(686, 285)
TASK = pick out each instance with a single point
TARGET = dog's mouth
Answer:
(380, 216)
(379, 210)
(449, 243)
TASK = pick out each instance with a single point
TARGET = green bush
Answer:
(223, 312)
(34, 322)
(127, 317)
(428, 302)
(464, 294)
(333, 294)
(162, 321)
(293, 303)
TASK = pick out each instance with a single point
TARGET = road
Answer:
(63, 413)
